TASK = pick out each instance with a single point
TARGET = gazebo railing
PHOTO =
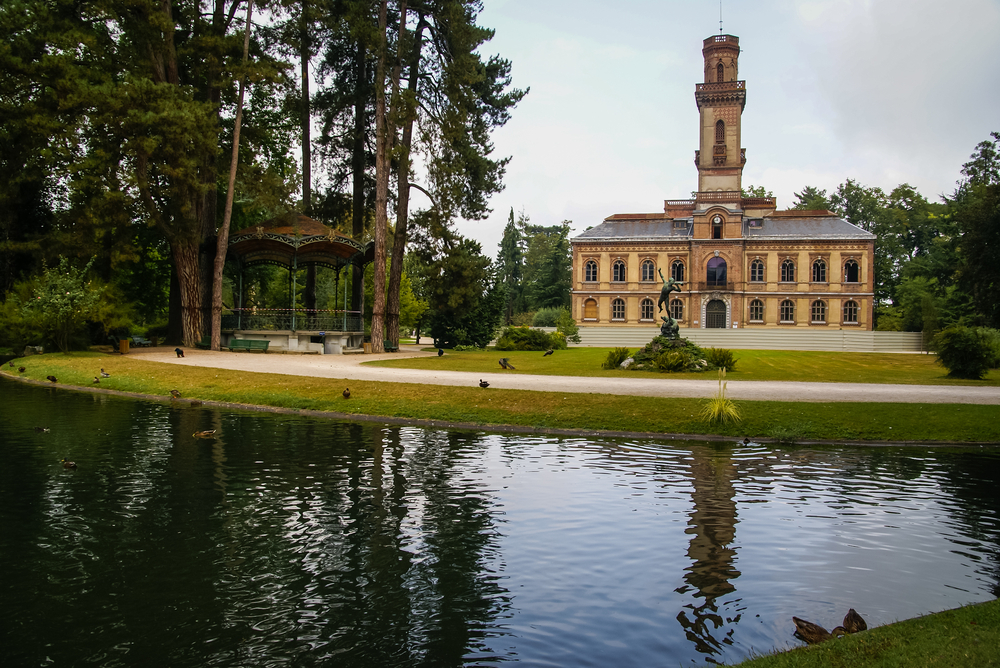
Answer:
(293, 320)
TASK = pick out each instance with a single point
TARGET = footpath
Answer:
(352, 367)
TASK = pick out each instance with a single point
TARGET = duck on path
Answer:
(483, 384)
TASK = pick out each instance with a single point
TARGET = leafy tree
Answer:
(510, 263)
(811, 199)
(548, 266)
(976, 211)
(458, 100)
(63, 301)
(756, 191)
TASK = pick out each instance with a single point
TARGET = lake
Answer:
(298, 541)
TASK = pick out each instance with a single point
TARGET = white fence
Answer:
(762, 339)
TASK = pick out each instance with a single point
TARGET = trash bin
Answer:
(123, 346)
(367, 346)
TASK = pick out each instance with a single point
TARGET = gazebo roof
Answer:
(293, 239)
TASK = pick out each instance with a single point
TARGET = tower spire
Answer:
(720, 17)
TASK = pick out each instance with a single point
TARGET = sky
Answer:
(880, 91)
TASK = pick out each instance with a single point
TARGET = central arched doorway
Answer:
(715, 314)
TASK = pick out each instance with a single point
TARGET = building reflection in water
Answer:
(712, 526)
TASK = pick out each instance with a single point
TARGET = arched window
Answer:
(590, 309)
(716, 275)
(618, 309)
(819, 311)
(677, 271)
(787, 271)
(852, 273)
(676, 309)
(819, 271)
(720, 132)
(720, 72)
(756, 311)
(590, 271)
(618, 271)
(851, 312)
(646, 308)
(757, 271)
(648, 270)
(788, 311)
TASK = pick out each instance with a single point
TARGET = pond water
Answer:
(294, 541)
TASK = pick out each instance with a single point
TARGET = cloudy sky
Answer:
(881, 91)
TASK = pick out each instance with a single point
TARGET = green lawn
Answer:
(967, 636)
(788, 365)
(786, 421)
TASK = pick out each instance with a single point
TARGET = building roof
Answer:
(804, 225)
(624, 227)
(792, 225)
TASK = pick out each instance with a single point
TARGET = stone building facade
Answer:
(742, 263)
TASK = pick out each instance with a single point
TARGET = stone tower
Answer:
(720, 101)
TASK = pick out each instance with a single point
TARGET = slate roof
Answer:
(789, 225)
(639, 227)
(805, 227)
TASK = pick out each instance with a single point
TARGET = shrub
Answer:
(721, 358)
(647, 358)
(546, 317)
(672, 361)
(964, 351)
(524, 338)
(993, 340)
(567, 326)
(615, 358)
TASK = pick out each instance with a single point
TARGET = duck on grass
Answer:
(671, 356)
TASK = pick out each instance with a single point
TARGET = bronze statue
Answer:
(669, 329)
(668, 286)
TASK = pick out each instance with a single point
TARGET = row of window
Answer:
(716, 271)
(786, 310)
(817, 311)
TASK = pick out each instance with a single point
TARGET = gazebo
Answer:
(295, 241)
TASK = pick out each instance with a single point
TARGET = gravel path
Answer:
(351, 367)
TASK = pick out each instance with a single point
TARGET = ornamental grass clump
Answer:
(719, 408)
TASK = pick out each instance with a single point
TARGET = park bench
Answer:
(248, 344)
(204, 344)
(389, 348)
(140, 342)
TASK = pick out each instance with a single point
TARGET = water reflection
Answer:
(292, 541)
(712, 528)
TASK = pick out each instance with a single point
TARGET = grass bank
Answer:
(967, 636)
(786, 421)
(781, 365)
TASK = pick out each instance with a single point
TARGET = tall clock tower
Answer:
(721, 99)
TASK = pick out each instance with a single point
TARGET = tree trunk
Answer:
(186, 262)
(304, 57)
(222, 242)
(358, 169)
(381, 188)
(403, 197)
